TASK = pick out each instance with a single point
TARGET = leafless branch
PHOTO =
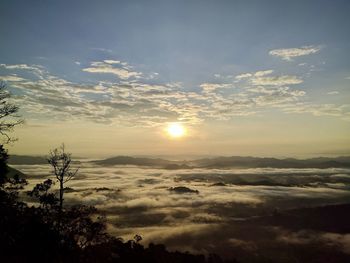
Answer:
(60, 162)
(8, 115)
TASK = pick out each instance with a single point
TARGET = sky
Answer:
(260, 78)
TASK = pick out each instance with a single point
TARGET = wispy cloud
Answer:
(211, 87)
(249, 75)
(11, 78)
(262, 73)
(35, 69)
(342, 111)
(120, 69)
(333, 92)
(265, 78)
(243, 76)
(289, 53)
(102, 49)
(111, 61)
(133, 100)
(276, 80)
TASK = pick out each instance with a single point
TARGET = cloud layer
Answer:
(289, 54)
(136, 98)
(138, 200)
(121, 69)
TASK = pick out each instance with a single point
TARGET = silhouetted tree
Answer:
(8, 114)
(78, 225)
(41, 192)
(8, 120)
(61, 165)
(3, 164)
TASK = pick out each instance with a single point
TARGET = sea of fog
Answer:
(138, 200)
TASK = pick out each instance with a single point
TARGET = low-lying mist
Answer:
(243, 213)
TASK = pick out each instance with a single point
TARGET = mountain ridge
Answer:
(215, 162)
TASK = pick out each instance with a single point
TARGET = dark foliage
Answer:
(60, 162)
(41, 192)
(3, 167)
(183, 190)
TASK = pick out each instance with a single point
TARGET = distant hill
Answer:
(216, 162)
(256, 162)
(127, 160)
(230, 162)
(12, 172)
(183, 190)
(24, 159)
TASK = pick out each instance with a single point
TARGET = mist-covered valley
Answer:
(244, 213)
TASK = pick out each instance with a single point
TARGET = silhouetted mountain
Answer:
(177, 166)
(12, 172)
(183, 190)
(230, 162)
(24, 159)
(30, 160)
(219, 184)
(255, 162)
(127, 160)
(216, 162)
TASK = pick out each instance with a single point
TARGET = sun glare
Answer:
(176, 130)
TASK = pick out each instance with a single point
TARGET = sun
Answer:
(176, 130)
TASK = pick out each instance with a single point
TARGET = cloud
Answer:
(276, 80)
(305, 237)
(107, 67)
(38, 70)
(264, 78)
(102, 49)
(211, 87)
(245, 245)
(251, 92)
(342, 240)
(320, 109)
(263, 73)
(243, 76)
(219, 219)
(18, 66)
(289, 53)
(11, 78)
(110, 61)
(278, 96)
(333, 92)
(134, 101)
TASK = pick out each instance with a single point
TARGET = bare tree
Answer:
(8, 120)
(8, 114)
(61, 166)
